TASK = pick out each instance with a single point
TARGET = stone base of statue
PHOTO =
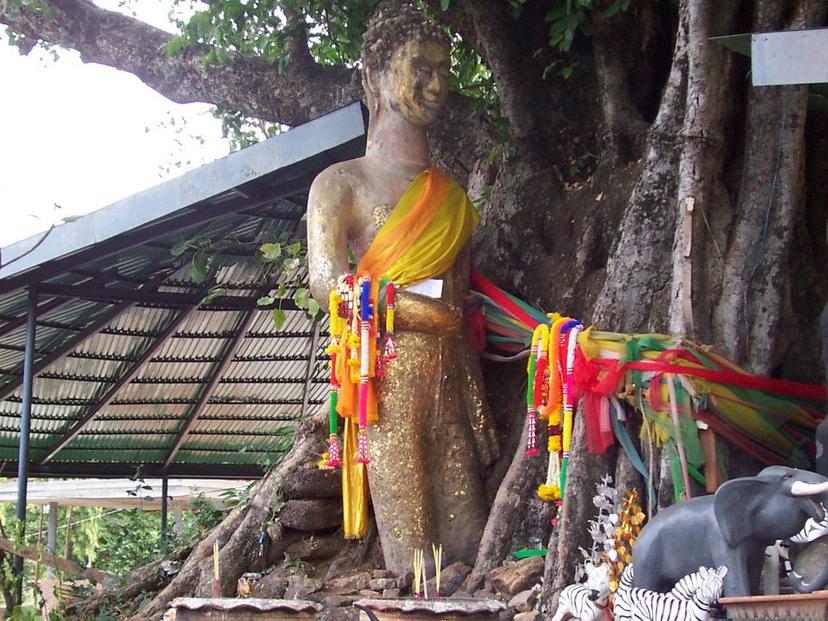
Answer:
(448, 609)
(797, 607)
(241, 609)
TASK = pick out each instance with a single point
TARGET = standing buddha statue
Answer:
(399, 218)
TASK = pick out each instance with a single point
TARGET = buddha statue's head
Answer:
(405, 64)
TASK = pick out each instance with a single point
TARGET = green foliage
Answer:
(124, 539)
(205, 515)
(568, 17)
(261, 28)
(25, 613)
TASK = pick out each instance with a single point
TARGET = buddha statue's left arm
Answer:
(330, 204)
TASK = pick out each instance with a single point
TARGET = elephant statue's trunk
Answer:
(813, 534)
(816, 584)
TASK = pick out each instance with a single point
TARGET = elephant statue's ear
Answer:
(733, 505)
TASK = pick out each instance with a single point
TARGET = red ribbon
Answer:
(728, 377)
(486, 287)
(586, 384)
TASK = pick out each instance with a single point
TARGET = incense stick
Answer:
(418, 569)
(438, 565)
(425, 583)
(216, 574)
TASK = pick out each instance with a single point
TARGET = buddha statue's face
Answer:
(415, 82)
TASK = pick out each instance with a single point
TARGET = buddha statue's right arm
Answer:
(330, 205)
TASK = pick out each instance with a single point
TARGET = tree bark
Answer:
(635, 293)
(240, 530)
(517, 487)
(146, 579)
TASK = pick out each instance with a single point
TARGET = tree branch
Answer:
(251, 85)
(297, 35)
(516, 84)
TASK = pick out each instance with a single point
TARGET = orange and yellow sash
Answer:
(428, 227)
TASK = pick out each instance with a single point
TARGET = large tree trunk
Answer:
(653, 190)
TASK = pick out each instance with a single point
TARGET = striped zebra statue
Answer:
(587, 601)
(632, 604)
(687, 586)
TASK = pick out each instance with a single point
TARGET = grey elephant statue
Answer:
(811, 545)
(731, 527)
(822, 430)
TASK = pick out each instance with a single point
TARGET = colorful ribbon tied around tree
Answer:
(679, 386)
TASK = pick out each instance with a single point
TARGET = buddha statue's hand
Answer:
(419, 313)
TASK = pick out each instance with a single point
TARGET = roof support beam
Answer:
(25, 429)
(208, 388)
(161, 298)
(314, 343)
(125, 378)
(128, 469)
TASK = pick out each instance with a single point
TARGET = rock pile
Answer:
(310, 560)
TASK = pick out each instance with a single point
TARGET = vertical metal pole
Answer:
(164, 488)
(51, 536)
(25, 428)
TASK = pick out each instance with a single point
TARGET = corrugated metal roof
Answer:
(109, 296)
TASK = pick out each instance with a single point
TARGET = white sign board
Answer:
(790, 57)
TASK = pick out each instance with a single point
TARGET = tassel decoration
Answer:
(572, 332)
(389, 350)
(365, 316)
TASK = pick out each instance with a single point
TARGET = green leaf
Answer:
(179, 247)
(301, 297)
(281, 291)
(265, 300)
(615, 7)
(213, 294)
(444, 4)
(175, 45)
(271, 251)
(313, 307)
(294, 248)
(279, 317)
(198, 269)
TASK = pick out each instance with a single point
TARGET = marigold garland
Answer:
(356, 337)
(631, 519)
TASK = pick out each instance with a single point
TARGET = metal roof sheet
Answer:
(132, 371)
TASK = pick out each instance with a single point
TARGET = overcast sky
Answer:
(77, 137)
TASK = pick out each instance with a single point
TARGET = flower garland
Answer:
(563, 338)
(355, 337)
(550, 490)
(572, 329)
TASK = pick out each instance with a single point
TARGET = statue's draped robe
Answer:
(427, 229)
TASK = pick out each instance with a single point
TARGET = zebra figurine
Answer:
(587, 601)
(633, 604)
(687, 586)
